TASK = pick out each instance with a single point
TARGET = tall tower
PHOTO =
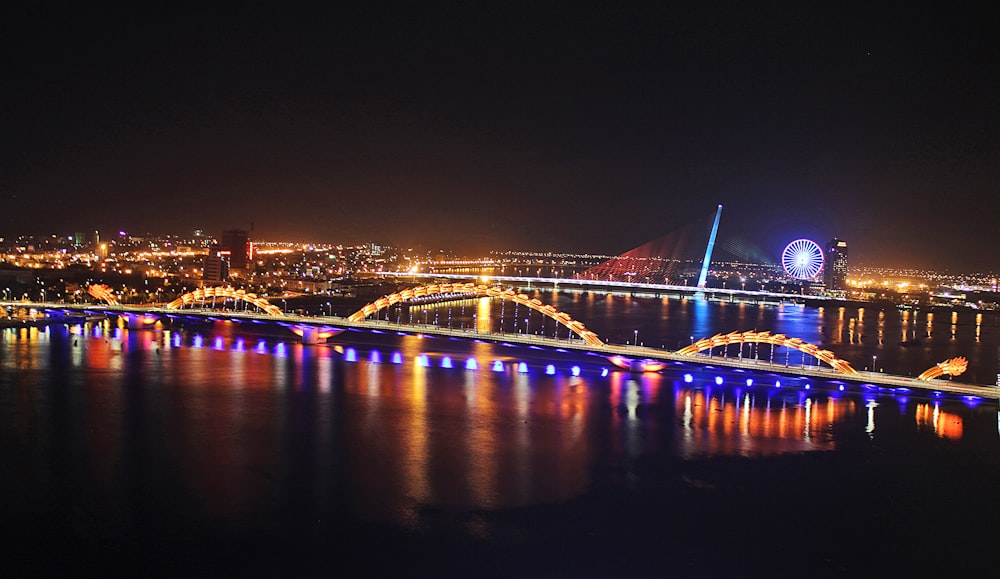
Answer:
(236, 246)
(835, 275)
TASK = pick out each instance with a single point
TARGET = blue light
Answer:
(375, 357)
(749, 381)
(471, 364)
(777, 383)
(239, 344)
(550, 369)
(218, 342)
(604, 372)
(841, 387)
(261, 347)
(197, 341)
(718, 380)
(280, 349)
(688, 378)
(351, 355)
(397, 358)
(808, 387)
(522, 368)
(497, 366)
(177, 340)
(575, 371)
(422, 361)
(446, 362)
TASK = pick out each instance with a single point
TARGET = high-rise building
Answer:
(216, 267)
(835, 274)
(236, 244)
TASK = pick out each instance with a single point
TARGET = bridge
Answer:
(630, 288)
(463, 310)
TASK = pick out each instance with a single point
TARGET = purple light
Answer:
(497, 366)
(471, 364)
(239, 344)
(197, 341)
(575, 371)
(281, 351)
(375, 357)
(688, 378)
(351, 355)
(841, 387)
(397, 358)
(218, 342)
(423, 361)
(749, 381)
(808, 387)
(446, 362)
(777, 383)
(522, 368)
(604, 372)
(550, 369)
(261, 347)
(718, 380)
(177, 340)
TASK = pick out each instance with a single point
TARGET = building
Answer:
(835, 274)
(237, 247)
(216, 268)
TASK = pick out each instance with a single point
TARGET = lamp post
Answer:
(635, 341)
(873, 362)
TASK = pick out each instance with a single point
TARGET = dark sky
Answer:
(573, 127)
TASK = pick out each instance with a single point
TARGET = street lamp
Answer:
(873, 362)
(329, 309)
(635, 342)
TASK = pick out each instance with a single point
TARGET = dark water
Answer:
(214, 452)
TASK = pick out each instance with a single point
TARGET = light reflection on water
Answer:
(223, 429)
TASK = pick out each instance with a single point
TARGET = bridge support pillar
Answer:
(136, 321)
(310, 336)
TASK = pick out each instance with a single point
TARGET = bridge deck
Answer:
(609, 350)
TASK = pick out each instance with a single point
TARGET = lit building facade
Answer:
(835, 275)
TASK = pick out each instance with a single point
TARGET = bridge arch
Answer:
(198, 296)
(827, 356)
(479, 291)
(103, 293)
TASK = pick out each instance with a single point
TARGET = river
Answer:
(214, 451)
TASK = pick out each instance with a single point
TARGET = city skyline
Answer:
(584, 128)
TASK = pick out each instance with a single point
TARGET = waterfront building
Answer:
(835, 275)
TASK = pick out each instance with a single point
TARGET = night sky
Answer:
(579, 127)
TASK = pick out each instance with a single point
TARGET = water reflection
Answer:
(388, 430)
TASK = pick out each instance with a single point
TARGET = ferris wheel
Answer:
(802, 259)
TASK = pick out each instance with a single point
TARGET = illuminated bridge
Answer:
(490, 313)
(631, 288)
